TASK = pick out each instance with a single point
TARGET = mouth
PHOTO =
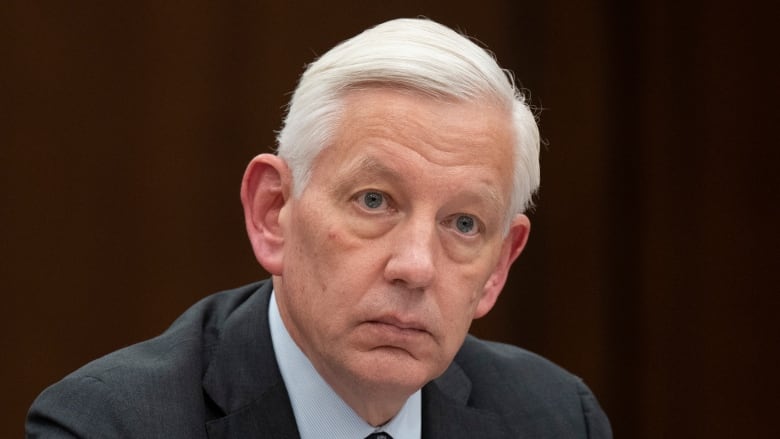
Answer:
(400, 326)
(392, 334)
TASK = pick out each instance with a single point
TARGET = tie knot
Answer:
(379, 435)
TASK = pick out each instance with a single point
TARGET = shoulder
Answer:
(489, 360)
(181, 350)
(134, 385)
(523, 385)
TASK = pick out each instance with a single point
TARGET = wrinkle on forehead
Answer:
(442, 131)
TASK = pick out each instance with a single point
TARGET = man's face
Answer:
(388, 250)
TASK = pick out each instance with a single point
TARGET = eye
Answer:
(371, 200)
(465, 224)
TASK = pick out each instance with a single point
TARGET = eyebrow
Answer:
(374, 166)
(371, 166)
(366, 166)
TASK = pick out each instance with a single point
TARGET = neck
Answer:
(376, 408)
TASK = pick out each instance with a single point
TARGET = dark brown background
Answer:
(651, 267)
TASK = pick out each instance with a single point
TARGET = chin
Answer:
(395, 370)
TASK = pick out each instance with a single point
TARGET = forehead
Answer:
(425, 134)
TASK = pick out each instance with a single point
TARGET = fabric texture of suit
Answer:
(213, 374)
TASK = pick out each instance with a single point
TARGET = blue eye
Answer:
(373, 200)
(465, 224)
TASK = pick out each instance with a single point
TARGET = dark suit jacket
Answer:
(213, 374)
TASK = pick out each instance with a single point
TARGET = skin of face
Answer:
(396, 243)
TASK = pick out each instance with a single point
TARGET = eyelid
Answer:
(479, 225)
(357, 198)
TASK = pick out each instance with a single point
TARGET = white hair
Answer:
(415, 54)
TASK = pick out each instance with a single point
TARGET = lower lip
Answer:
(390, 332)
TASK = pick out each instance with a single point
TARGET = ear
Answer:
(265, 189)
(513, 245)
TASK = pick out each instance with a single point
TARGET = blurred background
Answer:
(126, 127)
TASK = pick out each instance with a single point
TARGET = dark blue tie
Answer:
(380, 435)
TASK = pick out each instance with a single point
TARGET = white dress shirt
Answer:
(319, 411)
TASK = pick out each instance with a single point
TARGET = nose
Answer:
(413, 253)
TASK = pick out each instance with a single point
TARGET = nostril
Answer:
(410, 272)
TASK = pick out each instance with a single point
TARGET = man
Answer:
(388, 220)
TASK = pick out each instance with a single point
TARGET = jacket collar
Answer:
(446, 413)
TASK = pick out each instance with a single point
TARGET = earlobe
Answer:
(265, 190)
(512, 247)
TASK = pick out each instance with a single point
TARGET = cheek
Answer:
(313, 232)
(325, 251)
(305, 258)
(465, 287)
(472, 279)
(462, 312)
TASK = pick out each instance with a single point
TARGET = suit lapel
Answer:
(446, 415)
(243, 378)
(268, 416)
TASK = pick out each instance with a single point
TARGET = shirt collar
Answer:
(319, 411)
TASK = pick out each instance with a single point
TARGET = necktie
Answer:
(380, 435)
